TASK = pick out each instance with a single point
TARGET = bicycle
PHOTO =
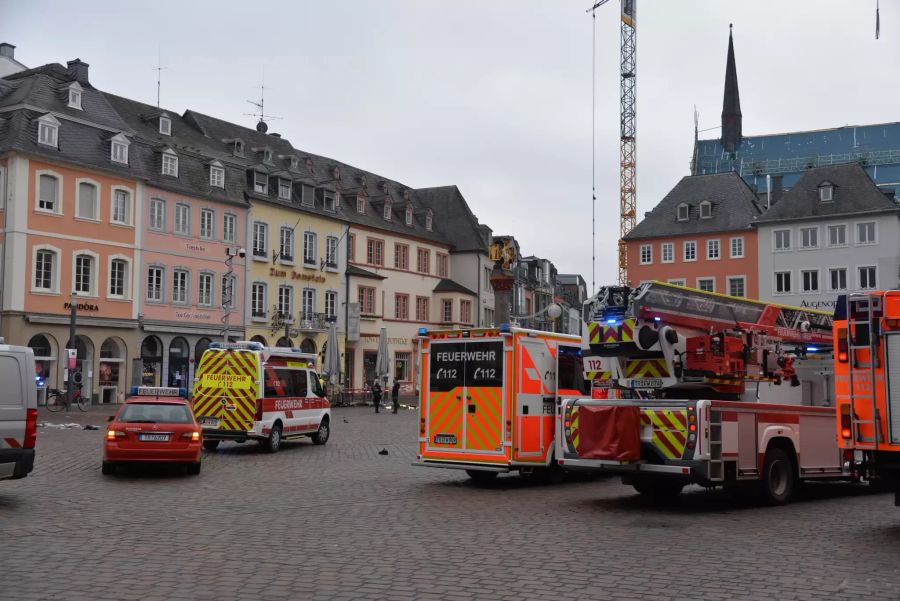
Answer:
(56, 400)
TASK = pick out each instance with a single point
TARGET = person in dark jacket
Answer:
(395, 395)
(376, 395)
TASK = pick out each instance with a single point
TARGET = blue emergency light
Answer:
(423, 331)
(504, 327)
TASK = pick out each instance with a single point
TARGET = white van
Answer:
(18, 411)
(244, 391)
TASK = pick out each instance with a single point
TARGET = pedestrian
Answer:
(395, 395)
(376, 395)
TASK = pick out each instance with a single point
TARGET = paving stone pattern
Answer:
(343, 522)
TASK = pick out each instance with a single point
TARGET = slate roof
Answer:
(364, 273)
(446, 285)
(199, 139)
(854, 194)
(455, 218)
(734, 207)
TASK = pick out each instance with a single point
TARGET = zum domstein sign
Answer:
(296, 275)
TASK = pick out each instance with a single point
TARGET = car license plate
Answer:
(445, 439)
(154, 437)
(647, 383)
(212, 422)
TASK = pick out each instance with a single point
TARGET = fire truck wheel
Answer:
(321, 436)
(273, 442)
(778, 480)
(210, 445)
(657, 489)
(480, 477)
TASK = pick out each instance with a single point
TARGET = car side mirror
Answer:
(110, 418)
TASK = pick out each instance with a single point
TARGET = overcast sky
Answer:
(491, 95)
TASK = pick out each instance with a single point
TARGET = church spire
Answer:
(731, 104)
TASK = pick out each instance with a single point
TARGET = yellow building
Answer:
(295, 277)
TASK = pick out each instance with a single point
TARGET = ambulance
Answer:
(245, 391)
(488, 398)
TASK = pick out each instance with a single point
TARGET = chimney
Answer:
(777, 189)
(8, 50)
(78, 70)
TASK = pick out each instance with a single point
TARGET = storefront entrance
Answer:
(179, 355)
(151, 361)
(112, 369)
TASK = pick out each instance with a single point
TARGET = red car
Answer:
(153, 429)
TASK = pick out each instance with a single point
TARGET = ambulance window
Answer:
(300, 387)
(280, 383)
(317, 384)
(570, 375)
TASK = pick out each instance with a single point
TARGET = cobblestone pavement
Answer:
(343, 522)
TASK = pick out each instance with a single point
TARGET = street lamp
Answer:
(554, 311)
(228, 288)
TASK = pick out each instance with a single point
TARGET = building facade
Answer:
(71, 210)
(699, 236)
(832, 233)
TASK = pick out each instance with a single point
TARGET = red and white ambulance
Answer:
(244, 391)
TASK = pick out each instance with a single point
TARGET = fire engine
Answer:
(705, 388)
(488, 398)
(867, 378)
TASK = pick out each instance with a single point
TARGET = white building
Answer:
(833, 232)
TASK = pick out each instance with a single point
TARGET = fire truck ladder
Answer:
(862, 372)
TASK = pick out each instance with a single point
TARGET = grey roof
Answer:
(364, 273)
(456, 220)
(446, 285)
(854, 193)
(199, 139)
(733, 205)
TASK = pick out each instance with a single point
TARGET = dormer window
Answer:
(165, 125)
(295, 163)
(260, 183)
(337, 173)
(216, 175)
(682, 212)
(705, 210)
(75, 96)
(170, 163)
(284, 189)
(409, 214)
(119, 149)
(826, 192)
(429, 219)
(238, 148)
(360, 205)
(329, 201)
(267, 155)
(387, 210)
(48, 130)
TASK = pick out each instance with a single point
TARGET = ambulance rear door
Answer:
(466, 391)
(535, 397)
(226, 388)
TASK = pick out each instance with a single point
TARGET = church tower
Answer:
(731, 104)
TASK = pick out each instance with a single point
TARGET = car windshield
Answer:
(155, 413)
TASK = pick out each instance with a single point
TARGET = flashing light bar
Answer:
(505, 328)
(423, 331)
(247, 345)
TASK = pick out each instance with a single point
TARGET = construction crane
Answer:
(627, 133)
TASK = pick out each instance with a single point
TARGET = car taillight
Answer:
(194, 435)
(422, 426)
(114, 434)
(30, 429)
(259, 410)
(842, 354)
(846, 427)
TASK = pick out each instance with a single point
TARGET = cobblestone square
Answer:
(344, 522)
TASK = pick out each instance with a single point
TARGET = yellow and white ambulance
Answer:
(245, 391)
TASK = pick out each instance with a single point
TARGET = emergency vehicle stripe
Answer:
(654, 368)
(669, 430)
(594, 332)
(485, 422)
(12, 442)
(441, 406)
(576, 438)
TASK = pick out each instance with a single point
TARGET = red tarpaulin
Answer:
(612, 433)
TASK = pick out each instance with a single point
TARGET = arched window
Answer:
(308, 345)
(40, 344)
(285, 342)
(259, 339)
(179, 356)
(201, 346)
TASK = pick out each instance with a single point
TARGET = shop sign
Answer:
(297, 275)
(191, 315)
(818, 304)
(81, 306)
(193, 246)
